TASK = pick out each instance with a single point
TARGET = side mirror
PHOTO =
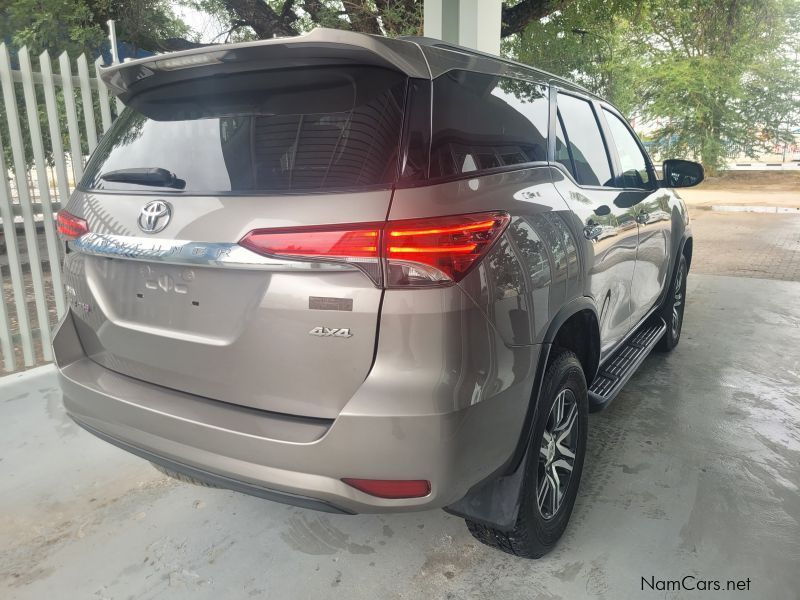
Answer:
(682, 173)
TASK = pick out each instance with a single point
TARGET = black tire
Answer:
(674, 306)
(537, 530)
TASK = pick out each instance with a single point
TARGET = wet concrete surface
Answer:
(693, 470)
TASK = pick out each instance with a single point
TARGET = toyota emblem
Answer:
(154, 216)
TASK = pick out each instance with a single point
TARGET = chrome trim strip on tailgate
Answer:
(185, 252)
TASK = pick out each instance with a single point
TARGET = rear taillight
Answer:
(358, 245)
(69, 226)
(438, 250)
(391, 488)
(415, 252)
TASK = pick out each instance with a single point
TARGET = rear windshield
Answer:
(283, 131)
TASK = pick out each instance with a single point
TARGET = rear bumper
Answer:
(215, 480)
(298, 460)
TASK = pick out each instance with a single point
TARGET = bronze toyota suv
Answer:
(360, 274)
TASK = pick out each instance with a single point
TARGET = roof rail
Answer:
(443, 45)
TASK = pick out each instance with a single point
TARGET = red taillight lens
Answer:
(69, 226)
(391, 488)
(442, 249)
(347, 241)
(416, 252)
(358, 245)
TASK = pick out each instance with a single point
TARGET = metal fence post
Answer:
(20, 170)
(75, 152)
(32, 109)
(86, 101)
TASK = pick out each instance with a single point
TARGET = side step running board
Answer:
(615, 372)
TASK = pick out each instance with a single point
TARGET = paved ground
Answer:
(746, 244)
(693, 470)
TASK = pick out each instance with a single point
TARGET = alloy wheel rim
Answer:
(677, 304)
(557, 454)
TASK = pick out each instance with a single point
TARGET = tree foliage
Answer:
(704, 77)
(264, 19)
(77, 26)
(80, 25)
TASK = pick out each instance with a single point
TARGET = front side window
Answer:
(584, 141)
(283, 131)
(635, 173)
(482, 122)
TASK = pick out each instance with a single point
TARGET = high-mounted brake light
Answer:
(69, 226)
(391, 488)
(192, 60)
(415, 252)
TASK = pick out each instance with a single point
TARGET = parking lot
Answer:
(694, 470)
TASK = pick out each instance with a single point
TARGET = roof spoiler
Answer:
(320, 47)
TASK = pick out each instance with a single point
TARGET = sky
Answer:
(207, 27)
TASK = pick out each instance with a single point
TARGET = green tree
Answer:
(719, 74)
(706, 77)
(264, 19)
(78, 27)
(54, 25)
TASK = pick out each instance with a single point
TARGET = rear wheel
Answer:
(673, 307)
(553, 466)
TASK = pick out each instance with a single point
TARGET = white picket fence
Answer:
(30, 263)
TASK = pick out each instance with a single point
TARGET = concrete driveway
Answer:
(693, 470)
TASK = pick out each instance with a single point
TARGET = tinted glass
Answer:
(418, 130)
(634, 166)
(585, 141)
(308, 130)
(483, 122)
(562, 151)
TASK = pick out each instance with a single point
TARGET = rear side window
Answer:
(482, 122)
(635, 173)
(283, 131)
(584, 141)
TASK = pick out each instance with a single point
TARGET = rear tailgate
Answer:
(160, 289)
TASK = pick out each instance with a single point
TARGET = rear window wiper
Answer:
(145, 176)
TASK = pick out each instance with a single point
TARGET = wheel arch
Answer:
(686, 250)
(495, 501)
(577, 328)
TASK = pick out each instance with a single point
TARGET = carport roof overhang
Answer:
(320, 47)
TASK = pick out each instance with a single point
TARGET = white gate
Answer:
(51, 129)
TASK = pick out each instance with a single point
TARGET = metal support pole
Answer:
(472, 23)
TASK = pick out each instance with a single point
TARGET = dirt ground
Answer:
(769, 181)
(752, 188)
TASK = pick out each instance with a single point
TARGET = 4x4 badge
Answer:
(331, 332)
